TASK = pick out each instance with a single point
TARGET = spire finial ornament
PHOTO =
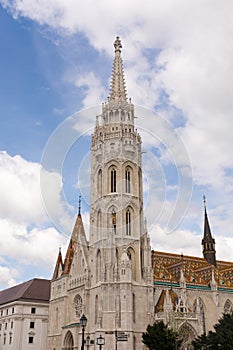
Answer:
(117, 44)
(204, 200)
(79, 205)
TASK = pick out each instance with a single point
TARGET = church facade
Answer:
(115, 279)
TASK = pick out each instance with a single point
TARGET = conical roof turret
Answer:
(208, 242)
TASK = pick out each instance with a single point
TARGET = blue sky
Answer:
(55, 62)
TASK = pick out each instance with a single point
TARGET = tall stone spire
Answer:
(208, 242)
(118, 88)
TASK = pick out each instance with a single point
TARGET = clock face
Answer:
(78, 306)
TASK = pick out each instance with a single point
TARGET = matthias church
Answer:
(115, 279)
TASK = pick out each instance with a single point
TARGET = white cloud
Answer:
(180, 241)
(95, 92)
(25, 233)
(188, 242)
(182, 49)
(20, 198)
(37, 246)
(30, 194)
(7, 277)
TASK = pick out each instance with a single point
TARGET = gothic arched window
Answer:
(128, 223)
(187, 334)
(131, 256)
(127, 180)
(227, 307)
(199, 306)
(78, 306)
(113, 180)
(114, 220)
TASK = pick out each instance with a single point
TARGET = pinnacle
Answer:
(118, 88)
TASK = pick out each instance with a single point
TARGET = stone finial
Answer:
(117, 44)
(182, 279)
(213, 283)
(204, 200)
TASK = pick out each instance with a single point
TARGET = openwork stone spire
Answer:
(118, 88)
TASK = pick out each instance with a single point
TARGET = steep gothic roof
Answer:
(78, 237)
(36, 290)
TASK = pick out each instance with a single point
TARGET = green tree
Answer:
(160, 337)
(221, 339)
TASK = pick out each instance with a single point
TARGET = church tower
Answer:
(116, 176)
(120, 253)
(108, 278)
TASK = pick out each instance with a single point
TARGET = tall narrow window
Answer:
(113, 180)
(30, 340)
(128, 223)
(127, 180)
(96, 308)
(134, 308)
(114, 220)
(99, 224)
(100, 182)
(56, 318)
(140, 181)
(98, 266)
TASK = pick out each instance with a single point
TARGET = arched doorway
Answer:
(68, 341)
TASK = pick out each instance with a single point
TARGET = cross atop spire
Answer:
(204, 200)
(118, 88)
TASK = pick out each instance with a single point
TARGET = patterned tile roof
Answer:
(197, 271)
